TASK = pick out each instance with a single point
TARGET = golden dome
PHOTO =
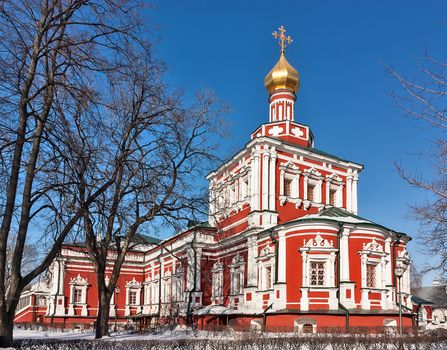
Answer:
(282, 77)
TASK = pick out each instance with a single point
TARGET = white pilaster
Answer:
(281, 257)
(344, 255)
(349, 193)
(255, 181)
(354, 193)
(265, 181)
(272, 187)
(251, 261)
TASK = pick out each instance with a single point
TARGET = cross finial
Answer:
(283, 40)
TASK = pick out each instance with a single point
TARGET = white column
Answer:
(388, 271)
(272, 190)
(354, 193)
(306, 179)
(349, 193)
(251, 261)
(328, 188)
(281, 258)
(265, 181)
(255, 181)
(344, 255)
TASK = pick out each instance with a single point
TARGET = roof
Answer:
(137, 239)
(342, 215)
(436, 294)
(144, 239)
(419, 301)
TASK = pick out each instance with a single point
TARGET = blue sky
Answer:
(339, 49)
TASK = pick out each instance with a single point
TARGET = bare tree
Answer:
(424, 98)
(164, 148)
(55, 55)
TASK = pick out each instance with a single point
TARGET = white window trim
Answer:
(266, 259)
(217, 281)
(78, 283)
(373, 254)
(136, 286)
(237, 267)
(318, 250)
(289, 171)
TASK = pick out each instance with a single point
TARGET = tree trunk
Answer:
(102, 320)
(6, 330)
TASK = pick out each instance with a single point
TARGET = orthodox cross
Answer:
(282, 38)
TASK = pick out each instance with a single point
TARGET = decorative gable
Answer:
(372, 247)
(133, 284)
(318, 243)
(78, 281)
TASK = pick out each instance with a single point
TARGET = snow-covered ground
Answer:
(177, 333)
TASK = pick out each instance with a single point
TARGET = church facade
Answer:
(284, 247)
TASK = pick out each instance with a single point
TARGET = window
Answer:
(237, 282)
(132, 297)
(268, 277)
(317, 273)
(371, 275)
(287, 187)
(310, 192)
(23, 302)
(308, 328)
(77, 295)
(332, 197)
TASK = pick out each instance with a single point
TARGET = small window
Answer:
(237, 282)
(332, 197)
(132, 297)
(371, 275)
(268, 278)
(287, 187)
(310, 192)
(317, 274)
(308, 328)
(77, 295)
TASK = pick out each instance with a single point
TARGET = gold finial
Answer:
(282, 38)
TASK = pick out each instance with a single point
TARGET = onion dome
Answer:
(282, 77)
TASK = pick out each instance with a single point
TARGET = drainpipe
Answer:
(340, 305)
(264, 315)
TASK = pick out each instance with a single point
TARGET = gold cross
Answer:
(282, 38)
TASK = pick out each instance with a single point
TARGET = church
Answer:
(284, 248)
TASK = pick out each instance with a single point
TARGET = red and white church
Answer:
(283, 248)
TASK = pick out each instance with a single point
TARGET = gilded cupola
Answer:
(283, 76)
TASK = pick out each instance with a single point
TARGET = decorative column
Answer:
(280, 296)
(344, 255)
(328, 189)
(272, 187)
(255, 180)
(349, 191)
(57, 301)
(252, 277)
(265, 180)
(354, 193)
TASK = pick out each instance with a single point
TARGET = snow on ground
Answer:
(177, 333)
(29, 334)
